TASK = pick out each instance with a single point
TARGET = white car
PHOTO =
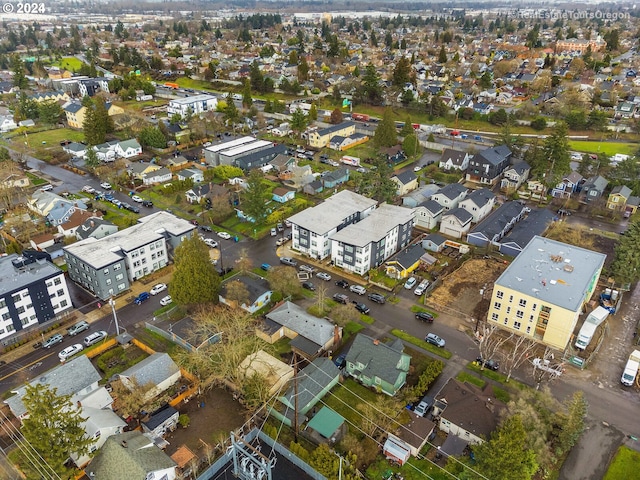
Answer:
(88, 189)
(158, 288)
(70, 351)
(307, 268)
(165, 300)
(417, 168)
(323, 276)
(106, 185)
(136, 198)
(210, 243)
(224, 235)
(359, 289)
(409, 284)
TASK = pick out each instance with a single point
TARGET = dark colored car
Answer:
(490, 364)
(147, 203)
(206, 228)
(309, 286)
(341, 298)
(376, 297)
(194, 222)
(361, 307)
(226, 270)
(341, 360)
(342, 284)
(425, 317)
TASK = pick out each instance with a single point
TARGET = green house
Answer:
(383, 366)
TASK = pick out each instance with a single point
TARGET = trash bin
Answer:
(236, 239)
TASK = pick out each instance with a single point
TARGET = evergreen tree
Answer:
(298, 121)
(19, 76)
(386, 134)
(411, 146)
(255, 196)
(556, 149)
(247, 101)
(442, 56)
(313, 113)
(195, 280)
(231, 113)
(573, 422)
(625, 267)
(371, 89)
(401, 72)
(91, 159)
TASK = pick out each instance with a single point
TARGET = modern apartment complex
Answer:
(196, 105)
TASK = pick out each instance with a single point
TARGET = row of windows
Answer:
(55, 281)
(516, 325)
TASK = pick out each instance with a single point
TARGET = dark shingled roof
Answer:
(408, 256)
(495, 155)
(461, 214)
(380, 359)
(498, 219)
(334, 128)
(406, 177)
(535, 224)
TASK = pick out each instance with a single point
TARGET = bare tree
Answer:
(284, 280)
(343, 314)
(244, 264)
(130, 398)
(547, 368)
(321, 296)
(490, 339)
(517, 350)
(237, 292)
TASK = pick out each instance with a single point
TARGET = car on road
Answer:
(273, 232)
(425, 317)
(70, 351)
(266, 267)
(106, 185)
(210, 243)
(309, 286)
(137, 199)
(165, 300)
(142, 297)
(206, 228)
(160, 287)
(77, 328)
(342, 283)
(94, 338)
(52, 340)
(307, 268)
(147, 203)
(340, 361)
(340, 298)
(224, 235)
(281, 241)
(491, 364)
(359, 289)
(88, 189)
(410, 283)
(376, 297)
(434, 339)
(417, 168)
(323, 276)
(361, 307)
(288, 261)
(280, 227)
(421, 409)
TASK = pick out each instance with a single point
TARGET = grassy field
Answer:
(186, 82)
(54, 136)
(69, 63)
(606, 148)
(625, 464)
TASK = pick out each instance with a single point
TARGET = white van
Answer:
(94, 338)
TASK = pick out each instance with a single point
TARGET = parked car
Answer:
(307, 268)
(287, 223)
(281, 241)
(147, 203)
(341, 298)
(280, 227)
(94, 338)
(342, 283)
(309, 286)
(425, 317)
(210, 243)
(410, 283)
(359, 289)
(77, 328)
(323, 276)
(106, 185)
(266, 267)
(361, 307)
(160, 287)
(288, 261)
(224, 235)
(206, 228)
(420, 289)
(70, 351)
(142, 297)
(421, 409)
(434, 339)
(340, 361)
(88, 189)
(136, 199)
(52, 340)
(273, 232)
(491, 364)
(165, 300)
(376, 297)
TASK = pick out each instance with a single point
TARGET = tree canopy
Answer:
(625, 267)
(255, 196)
(386, 134)
(195, 279)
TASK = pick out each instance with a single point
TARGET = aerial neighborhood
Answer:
(319, 241)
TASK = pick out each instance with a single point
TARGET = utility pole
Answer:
(115, 316)
(295, 397)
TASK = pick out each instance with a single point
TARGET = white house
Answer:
(128, 148)
(454, 160)
(450, 195)
(479, 203)
(7, 124)
(100, 424)
(161, 175)
(427, 214)
(456, 223)
(196, 104)
(157, 369)
(191, 173)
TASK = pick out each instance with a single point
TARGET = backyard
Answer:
(605, 148)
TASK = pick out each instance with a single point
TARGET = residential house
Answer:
(194, 105)
(55, 208)
(468, 412)
(625, 110)
(545, 307)
(379, 365)
(456, 223)
(486, 166)
(321, 138)
(282, 162)
(406, 181)
(75, 112)
(206, 192)
(34, 292)
(275, 372)
(258, 291)
(7, 123)
(341, 143)
(140, 170)
(131, 455)
(632, 206)
(283, 194)
(308, 387)
(434, 242)
(535, 223)
(313, 188)
(298, 177)
(454, 160)
(128, 148)
(158, 371)
(311, 336)
(15, 180)
(336, 177)
(403, 263)
(593, 189)
(497, 224)
(618, 198)
(450, 195)
(514, 176)
(161, 421)
(364, 245)
(311, 228)
(194, 174)
(68, 228)
(394, 154)
(95, 227)
(161, 175)
(567, 186)
(413, 435)
(479, 203)
(74, 149)
(419, 195)
(100, 424)
(427, 214)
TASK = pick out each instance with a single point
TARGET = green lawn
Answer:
(606, 148)
(472, 379)
(186, 82)
(69, 63)
(345, 397)
(55, 136)
(625, 464)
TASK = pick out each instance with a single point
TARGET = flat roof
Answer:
(374, 227)
(553, 271)
(231, 143)
(332, 212)
(196, 98)
(12, 278)
(239, 150)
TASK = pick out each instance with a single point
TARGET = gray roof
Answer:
(311, 381)
(556, 273)
(69, 378)
(72, 107)
(436, 238)
(406, 176)
(495, 155)
(374, 227)
(535, 224)
(161, 172)
(160, 416)
(133, 459)
(460, 213)
(76, 147)
(379, 359)
(334, 128)
(156, 368)
(256, 286)
(596, 183)
(520, 167)
(456, 156)
(107, 250)
(408, 256)
(131, 143)
(451, 191)
(295, 318)
(337, 174)
(432, 206)
(479, 197)
(332, 212)
(495, 223)
(90, 225)
(12, 278)
(621, 190)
